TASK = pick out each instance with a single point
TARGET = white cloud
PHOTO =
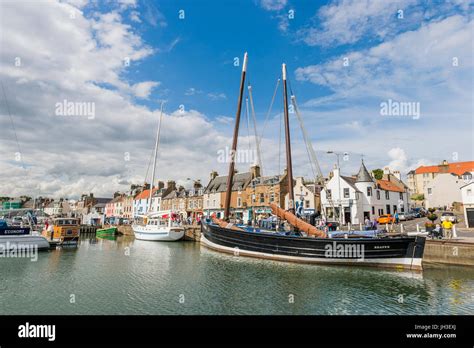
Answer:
(216, 96)
(143, 89)
(82, 60)
(192, 91)
(349, 21)
(273, 5)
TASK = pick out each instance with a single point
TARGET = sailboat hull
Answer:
(157, 234)
(396, 252)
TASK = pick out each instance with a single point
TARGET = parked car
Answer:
(402, 217)
(410, 216)
(418, 212)
(386, 219)
(447, 215)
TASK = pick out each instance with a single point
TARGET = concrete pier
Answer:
(458, 251)
(192, 233)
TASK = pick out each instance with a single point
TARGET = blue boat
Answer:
(6, 230)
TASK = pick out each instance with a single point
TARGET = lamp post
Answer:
(339, 184)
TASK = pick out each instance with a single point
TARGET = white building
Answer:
(361, 196)
(445, 189)
(96, 216)
(305, 198)
(467, 197)
(56, 208)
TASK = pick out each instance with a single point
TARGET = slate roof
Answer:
(363, 175)
(219, 183)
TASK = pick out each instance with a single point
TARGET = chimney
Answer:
(214, 174)
(161, 184)
(171, 185)
(386, 170)
(397, 175)
(197, 184)
(255, 170)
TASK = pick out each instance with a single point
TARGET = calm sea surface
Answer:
(127, 276)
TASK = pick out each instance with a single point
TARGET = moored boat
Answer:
(304, 242)
(62, 231)
(19, 238)
(110, 231)
(160, 226)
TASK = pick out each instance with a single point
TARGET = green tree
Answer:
(378, 173)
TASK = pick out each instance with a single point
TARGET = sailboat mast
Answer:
(230, 177)
(289, 166)
(157, 141)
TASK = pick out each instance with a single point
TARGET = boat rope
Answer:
(248, 121)
(269, 110)
(314, 163)
(13, 127)
(257, 141)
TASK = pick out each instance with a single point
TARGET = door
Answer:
(470, 217)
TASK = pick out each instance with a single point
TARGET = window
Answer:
(346, 193)
(378, 194)
(239, 201)
(373, 210)
(262, 198)
(387, 195)
(369, 192)
(272, 197)
(306, 204)
(429, 190)
(469, 192)
(401, 195)
(328, 194)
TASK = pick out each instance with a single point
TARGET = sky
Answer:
(348, 63)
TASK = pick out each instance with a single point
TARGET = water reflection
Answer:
(127, 276)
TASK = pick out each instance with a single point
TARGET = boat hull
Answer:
(403, 252)
(23, 242)
(106, 231)
(157, 234)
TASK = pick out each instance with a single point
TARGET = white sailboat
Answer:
(161, 225)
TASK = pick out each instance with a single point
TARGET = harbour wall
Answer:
(449, 252)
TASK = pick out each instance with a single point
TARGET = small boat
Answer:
(63, 231)
(160, 226)
(157, 226)
(304, 242)
(110, 231)
(19, 238)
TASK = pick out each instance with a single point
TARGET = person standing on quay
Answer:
(397, 219)
(447, 228)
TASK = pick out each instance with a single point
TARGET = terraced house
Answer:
(361, 196)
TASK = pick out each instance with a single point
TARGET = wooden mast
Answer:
(230, 177)
(289, 166)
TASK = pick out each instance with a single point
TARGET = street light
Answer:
(339, 183)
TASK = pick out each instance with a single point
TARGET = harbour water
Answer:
(128, 276)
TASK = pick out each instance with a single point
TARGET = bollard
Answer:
(386, 227)
(349, 227)
(417, 228)
(360, 226)
(455, 235)
(402, 230)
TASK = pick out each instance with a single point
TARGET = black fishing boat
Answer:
(308, 245)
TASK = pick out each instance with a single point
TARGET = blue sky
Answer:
(345, 59)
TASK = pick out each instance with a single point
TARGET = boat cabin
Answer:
(63, 230)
